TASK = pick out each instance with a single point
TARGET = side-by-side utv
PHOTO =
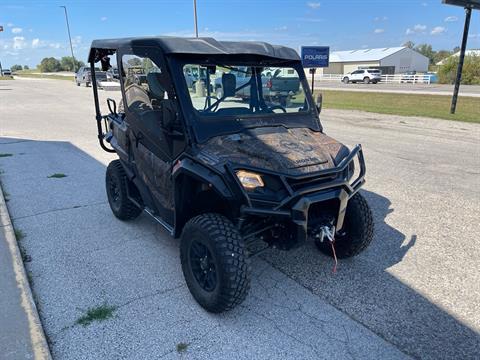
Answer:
(230, 173)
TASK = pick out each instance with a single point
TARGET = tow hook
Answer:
(328, 233)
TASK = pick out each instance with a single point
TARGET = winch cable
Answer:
(334, 270)
(329, 233)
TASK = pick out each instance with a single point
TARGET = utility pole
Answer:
(195, 17)
(1, 70)
(468, 14)
(69, 37)
(468, 5)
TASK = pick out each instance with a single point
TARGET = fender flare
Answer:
(201, 173)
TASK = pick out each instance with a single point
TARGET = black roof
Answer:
(202, 46)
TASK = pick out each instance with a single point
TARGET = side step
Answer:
(159, 220)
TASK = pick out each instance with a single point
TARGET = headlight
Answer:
(249, 180)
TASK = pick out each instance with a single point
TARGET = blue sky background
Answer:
(36, 29)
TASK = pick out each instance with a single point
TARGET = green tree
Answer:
(409, 44)
(66, 63)
(26, 67)
(133, 62)
(16, 67)
(470, 73)
(49, 65)
(440, 55)
(456, 49)
(426, 50)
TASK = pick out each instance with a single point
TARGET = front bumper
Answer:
(341, 186)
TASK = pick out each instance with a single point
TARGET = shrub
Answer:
(470, 73)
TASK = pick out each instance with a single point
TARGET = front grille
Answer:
(311, 182)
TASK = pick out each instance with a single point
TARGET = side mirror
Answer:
(318, 102)
(112, 106)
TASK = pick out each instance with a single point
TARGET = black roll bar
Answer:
(98, 114)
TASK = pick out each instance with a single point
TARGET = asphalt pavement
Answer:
(413, 293)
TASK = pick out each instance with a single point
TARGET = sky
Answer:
(37, 29)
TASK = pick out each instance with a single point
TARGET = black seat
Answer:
(157, 91)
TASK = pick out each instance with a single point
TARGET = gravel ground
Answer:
(414, 292)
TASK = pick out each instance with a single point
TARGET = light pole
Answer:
(195, 17)
(69, 37)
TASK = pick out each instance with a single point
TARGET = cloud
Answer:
(103, 18)
(438, 30)
(380, 18)
(424, 4)
(474, 36)
(9, 24)
(308, 19)
(379, 31)
(35, 43)
(19, 42)
(17, 30)
(313, 5)
(281, 28)
(76, 41)
(418, 28)
(451, 19)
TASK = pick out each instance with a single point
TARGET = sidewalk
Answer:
(21, 333)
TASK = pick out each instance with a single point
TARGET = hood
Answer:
(289, 151)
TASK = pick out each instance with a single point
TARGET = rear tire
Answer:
(214, 262)
(116, 185)
(346, 80)
(357, 231)
(366, 80)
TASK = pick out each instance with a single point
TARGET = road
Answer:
(429, 89)
(413, 293)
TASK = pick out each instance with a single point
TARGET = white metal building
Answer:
(472, 52)
(394, 60)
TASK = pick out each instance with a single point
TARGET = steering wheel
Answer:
(277, 107)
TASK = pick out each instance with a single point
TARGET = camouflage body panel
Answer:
(289, 151)
(156, 174)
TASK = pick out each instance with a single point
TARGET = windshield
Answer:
(243, 91)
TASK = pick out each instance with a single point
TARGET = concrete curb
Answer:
(38, 340)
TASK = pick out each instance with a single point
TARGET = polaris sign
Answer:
(315, 56)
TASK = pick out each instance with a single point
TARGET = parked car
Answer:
(83, 76)
(366, 76)
(113, 74)
(6, 72)
(277, 83)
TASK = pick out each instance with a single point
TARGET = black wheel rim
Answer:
(203, 266)
(114, 189)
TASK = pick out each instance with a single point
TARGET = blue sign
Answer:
(315, 56)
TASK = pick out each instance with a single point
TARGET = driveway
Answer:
(413, 293)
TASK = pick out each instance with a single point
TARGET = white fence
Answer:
(397, 78)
